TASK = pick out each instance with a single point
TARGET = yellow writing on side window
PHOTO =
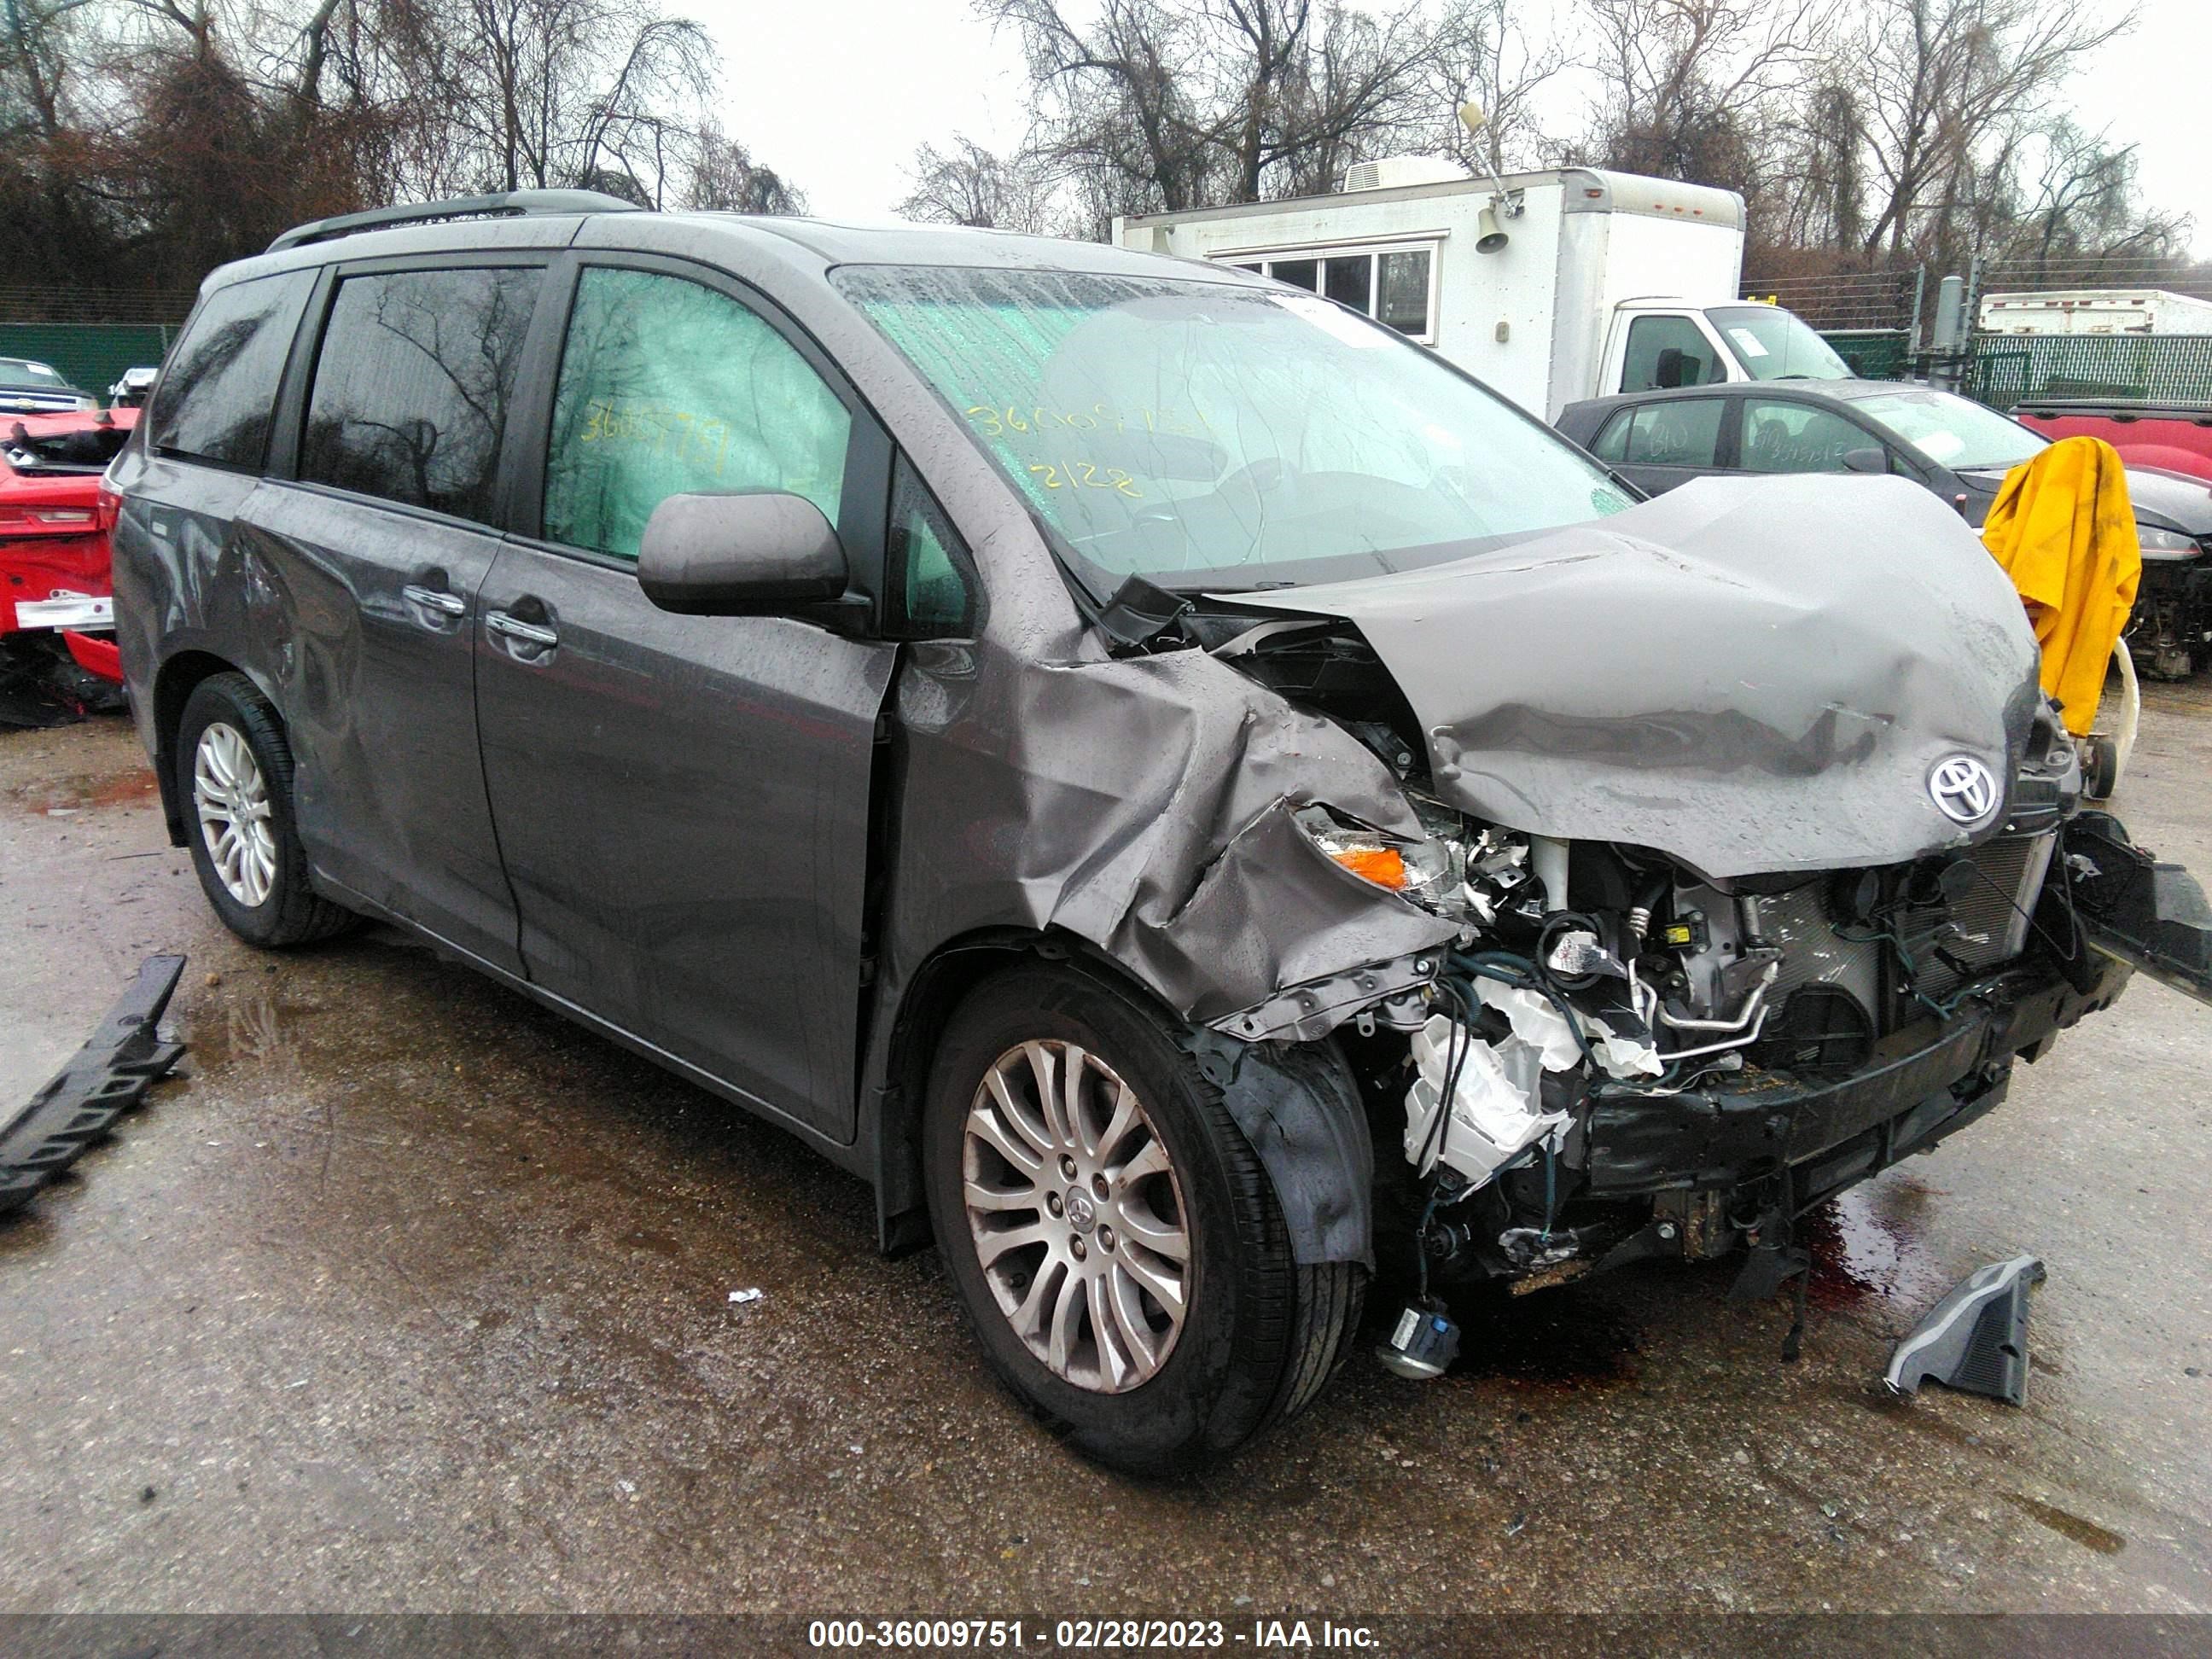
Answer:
(1083, 475)
(996, 422)
(676, 432)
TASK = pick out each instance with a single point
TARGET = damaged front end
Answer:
(1674, 1039)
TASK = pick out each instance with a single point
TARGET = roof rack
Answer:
(506, 204)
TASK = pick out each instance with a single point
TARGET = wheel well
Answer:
(939, 987)
(173, 688)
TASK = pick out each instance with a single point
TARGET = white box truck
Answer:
(2096, 311)
(1550, 287)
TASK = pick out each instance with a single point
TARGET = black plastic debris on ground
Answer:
(1976, 1339)
(110, 1075)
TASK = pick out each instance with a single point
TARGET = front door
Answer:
(682, 802)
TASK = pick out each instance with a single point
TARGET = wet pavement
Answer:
(407, 1295)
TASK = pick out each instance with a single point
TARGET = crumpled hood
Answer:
(1749, 674)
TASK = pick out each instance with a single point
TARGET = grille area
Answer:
(1990, 930)
(1812, 954)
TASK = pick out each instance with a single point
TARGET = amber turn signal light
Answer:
(1383, 865)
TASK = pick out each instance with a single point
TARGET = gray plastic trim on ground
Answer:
(109, 1076)
(1976, 1339)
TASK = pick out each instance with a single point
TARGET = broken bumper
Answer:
(1924, 1083)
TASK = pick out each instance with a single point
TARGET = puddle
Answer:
(1552, 1336)
(1865, 1244)
(2087, 1533)
(254, 1026)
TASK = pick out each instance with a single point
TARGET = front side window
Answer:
(1679, 432)
(413, 383)
(219, 388)
(933, 578)
(668, 387)
(1666, 352)
(1211, 434)
(1794, 437)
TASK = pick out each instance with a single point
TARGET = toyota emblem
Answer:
(1964, 790)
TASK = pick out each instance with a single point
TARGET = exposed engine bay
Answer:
(1621, 1055)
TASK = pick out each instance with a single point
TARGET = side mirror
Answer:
(738, 555)
(1667, 373)
(1865, 460)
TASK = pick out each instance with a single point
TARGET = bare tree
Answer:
(970, 185)
(1690, 86)
(1947, 82)
(725, 179)
(1483, 50)
(150, 139)
(1158, 105)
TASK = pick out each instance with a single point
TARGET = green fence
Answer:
(2003, 369)
(90, 355)
(1883, 353)
(2161, 367)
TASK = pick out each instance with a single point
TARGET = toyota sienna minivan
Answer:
(1193, 798)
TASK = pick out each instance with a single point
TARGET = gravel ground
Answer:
(405, 1295)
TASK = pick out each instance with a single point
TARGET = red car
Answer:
(2175, 436)
(57, 649)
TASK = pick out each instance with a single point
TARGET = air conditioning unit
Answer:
(1392, 172)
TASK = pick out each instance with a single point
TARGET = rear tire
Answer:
(234, 771)
(1170, 1388)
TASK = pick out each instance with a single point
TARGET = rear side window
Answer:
(668, 387)
(1685, 432)
(413, 384)
(219, 388)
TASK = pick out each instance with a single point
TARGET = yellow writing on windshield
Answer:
(1086, 475)
(996, 421)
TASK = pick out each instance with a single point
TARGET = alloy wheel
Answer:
(232, 799)
(1078, 1216)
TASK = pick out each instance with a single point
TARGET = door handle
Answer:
(522, 633)
(433, 599)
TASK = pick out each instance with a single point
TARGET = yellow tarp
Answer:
(2063, 531)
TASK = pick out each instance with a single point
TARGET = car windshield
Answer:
(1211, 435)
(1777, 345)
(20, 371)
(1950, 430)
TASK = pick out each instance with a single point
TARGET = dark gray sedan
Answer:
(1954, 445)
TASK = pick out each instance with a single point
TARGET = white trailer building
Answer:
(2096, 311)
(1549, 286)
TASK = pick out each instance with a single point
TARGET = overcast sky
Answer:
(837, 94)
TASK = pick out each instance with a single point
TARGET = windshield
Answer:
(1952, 431)
(20, 371)
(1210, 435)
(1777, 345)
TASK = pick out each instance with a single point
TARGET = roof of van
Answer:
(833, 241)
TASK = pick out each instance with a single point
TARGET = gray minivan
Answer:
(1191, 796)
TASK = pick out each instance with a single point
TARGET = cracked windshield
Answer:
(1205, 435)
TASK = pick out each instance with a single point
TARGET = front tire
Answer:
(234, 768)
(1117, 1245)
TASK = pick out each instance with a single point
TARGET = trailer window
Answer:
(1392, 285)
